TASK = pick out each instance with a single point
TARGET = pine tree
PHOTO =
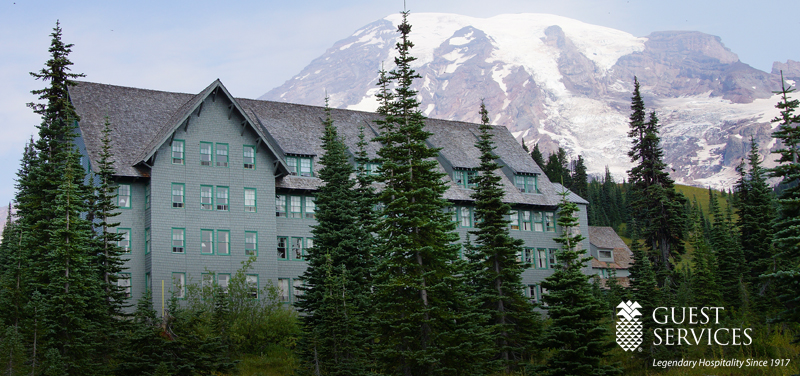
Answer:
(755, 206)
(730, 260)
(643, 288)
(579, 178)
(537, 156)
(579, 340)
(557, 168)
(513, 324)
(658, 207)
(423, 319)
(787, 223)
(704, 280)
(343, 239)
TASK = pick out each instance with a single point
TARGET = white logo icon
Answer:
(629, 328)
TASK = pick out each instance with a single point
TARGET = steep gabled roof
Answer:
(607, 238)
(143, 120)
(135, 115)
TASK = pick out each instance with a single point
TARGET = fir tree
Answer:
(579, 178)
(341, 238)
(643, 288)
(579, 340)
(787, 223)
(424, 321)
(730, 260)
(537, 156)
(704, 280)
(755, 206)
(557, 168)
(658, 207)
(513, 324)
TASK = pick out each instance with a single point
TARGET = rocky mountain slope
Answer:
(561, 82)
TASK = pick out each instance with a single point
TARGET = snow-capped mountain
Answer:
(562, 82)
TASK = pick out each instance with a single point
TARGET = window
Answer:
(148, 282)
(553, 261)
(280, 206)
(465, 178)
(538, 221)
(124, 283)
(297, 291)
(541, 258)
(206, 281)
(177, 151)
(299, 165)
(527, 257)
(206, 197)
(282, 247)
(177, 195)
(147, 196)
(311, 208)
(147, 240)
(296, 206)
(514, 217)
(283, 289)
(223, 280)
(250, 200)
(453, 213)
(222, 198)
(532, 293)
(252, 285)
(124, 196)
(249, 157)
(527, 183)
(604, 253)
(205, 153)
(178, 240)
(465, 216)
(223, 242)
(309, 243)
(526, 220)
(550, 225)
(179, 285)
(125, 241)
(297, 248)
(222, 155)
(207, 242)
(250, 243)
(370, 168)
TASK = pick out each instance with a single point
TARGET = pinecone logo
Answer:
(629, 328)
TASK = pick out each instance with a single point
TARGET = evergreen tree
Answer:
(579, 340)
(704, 281)
(787, 223)
(557, 168)
(643, 289)
(657, 206)
(512, 322)
(143, 349)
(755, 206)
(342, 239)
(730, 260)
(537, 156)
(424, 322)
(579, 178)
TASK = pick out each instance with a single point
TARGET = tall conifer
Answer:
(787, 224)
(579, 340)
(512, 322)
(425, 324)
(340, 239)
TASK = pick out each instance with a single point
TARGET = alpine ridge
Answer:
(562, 82)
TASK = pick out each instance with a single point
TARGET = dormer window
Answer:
(370, 168)
(299, 165)
(605, 255)
(527, 183)
(465, 178)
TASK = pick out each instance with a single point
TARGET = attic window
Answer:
(604, 254)
(177, 151)
(299, 165)
(465, 178)
(527, 183)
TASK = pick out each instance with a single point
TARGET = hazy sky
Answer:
(253, 46)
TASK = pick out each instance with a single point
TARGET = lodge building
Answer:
(206, 181)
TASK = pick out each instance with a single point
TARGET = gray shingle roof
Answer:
(142, 120)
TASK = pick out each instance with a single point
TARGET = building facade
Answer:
(207, 181)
